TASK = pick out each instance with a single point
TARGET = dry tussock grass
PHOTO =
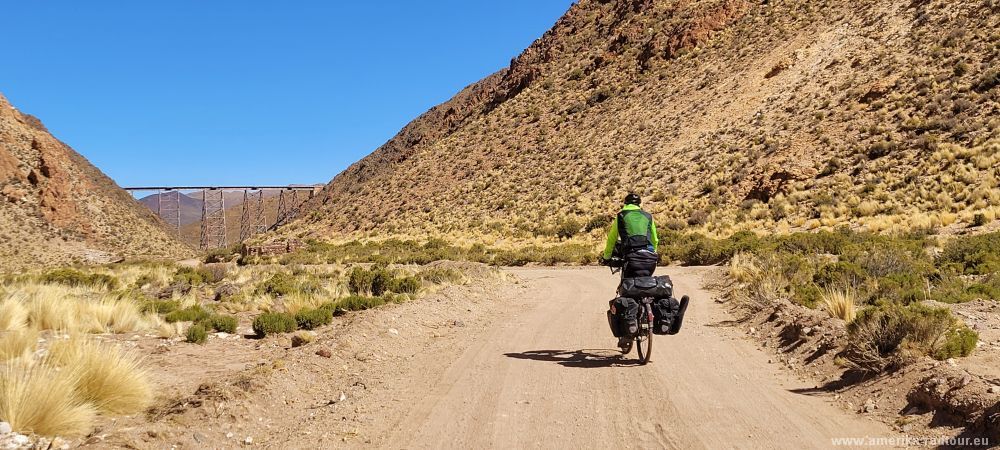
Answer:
(840, 304)
(42, 399)
(13, 315)
(109, 377)
(17, 344)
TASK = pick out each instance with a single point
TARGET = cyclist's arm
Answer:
(609, 248)
(654, 238)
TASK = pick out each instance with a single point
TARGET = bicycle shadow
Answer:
(583, 358)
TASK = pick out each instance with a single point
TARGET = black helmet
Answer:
(633, 199)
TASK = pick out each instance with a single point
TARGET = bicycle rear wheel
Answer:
(644, 346)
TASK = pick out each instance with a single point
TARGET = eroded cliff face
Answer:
(55, 207)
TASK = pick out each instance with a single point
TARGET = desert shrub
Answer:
(567, 228)
(73, 277)
(358, 303)
(405, 285)
(223, 323)
(196, 334)
(953, 289)
(959, 342)
(191, 314)
(597, 222)
(441, 276)
(840, 274)
(191, 276)
(874, 339)
(221, 255)
(889, 335)
(974, 255)
(160, 306)
(314, 318)
(360, 280)
(808, 295)
(987, 81)
(273, 323)
(283, 284)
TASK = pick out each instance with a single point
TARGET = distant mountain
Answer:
(57, 208)
(190, 208)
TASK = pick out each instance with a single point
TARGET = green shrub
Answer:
(160, 306)
(314, 318)
(280, 284)
(440, 276)
(273, 323)
(840, 274)
(959, 342)
(196, 334)
(73, 277)
(360, 280)
(956, 290)
(974, 255)
(192, 314)
(220, 255)
(598, 222)
(567, 228)
(889, 335)
(979, 220)
(190, 276)
(807, 294)
(405, 285)
(225, 324)
(359, 303)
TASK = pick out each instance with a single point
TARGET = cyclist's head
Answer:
(633, 199)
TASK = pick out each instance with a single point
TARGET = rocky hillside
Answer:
(55, 207)
(727, 114)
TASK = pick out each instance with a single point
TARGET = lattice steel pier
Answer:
(253, 219)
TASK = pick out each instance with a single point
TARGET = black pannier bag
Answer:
(642, 287)
(665, 311)
(640, 263)
(622, 316)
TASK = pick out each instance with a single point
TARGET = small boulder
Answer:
(324, 352)
(5, 428)
(302, 338)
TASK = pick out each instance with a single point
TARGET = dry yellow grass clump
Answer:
(840, 304)
(17, 344)
(109, 377)
(69, 309)
(13, 315)
(61, 393)
(42, 399)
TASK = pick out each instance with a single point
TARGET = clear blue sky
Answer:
(221, 92)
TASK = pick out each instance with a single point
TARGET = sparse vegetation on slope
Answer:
(727, 115)
(898, 290)
(48, 196)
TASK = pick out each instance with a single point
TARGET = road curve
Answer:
(550, 377)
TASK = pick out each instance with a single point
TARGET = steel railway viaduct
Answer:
(253, 220)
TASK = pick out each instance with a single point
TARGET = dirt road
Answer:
(550, 378)
(490, 365)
